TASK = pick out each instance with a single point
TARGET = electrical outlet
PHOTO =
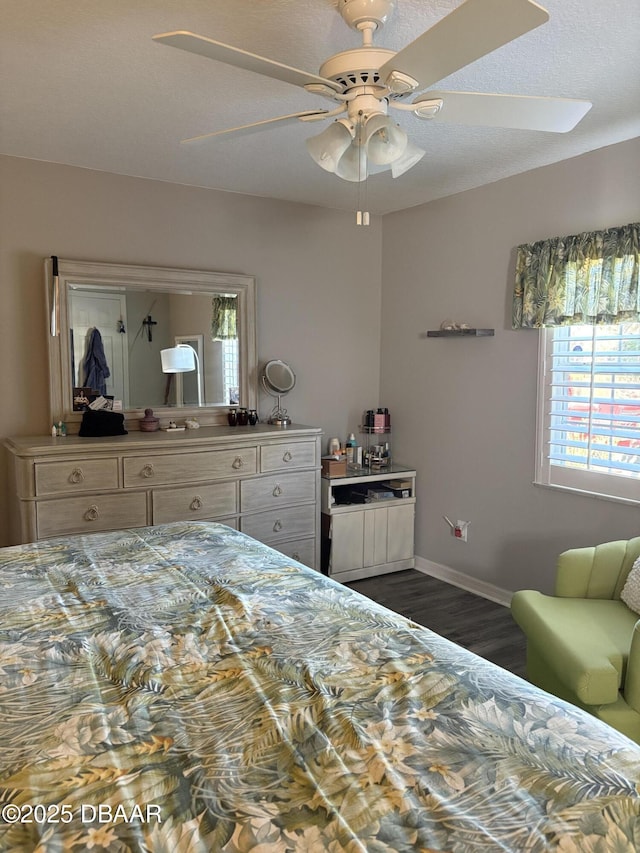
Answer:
(459, 530)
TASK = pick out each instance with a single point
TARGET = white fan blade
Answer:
(265, 124)
(474, 29)
(242, 59)
(523, 112)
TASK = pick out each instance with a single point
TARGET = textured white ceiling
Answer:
(82, 83)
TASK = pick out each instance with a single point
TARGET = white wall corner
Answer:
(463, 581)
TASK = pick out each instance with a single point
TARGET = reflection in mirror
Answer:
(134, 328)
(118, 319)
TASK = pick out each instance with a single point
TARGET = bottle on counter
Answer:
(351, 448)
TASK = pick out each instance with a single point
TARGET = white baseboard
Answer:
(466, 582)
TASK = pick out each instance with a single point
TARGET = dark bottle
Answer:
(253, 417)
(243, 417)
(232, 417)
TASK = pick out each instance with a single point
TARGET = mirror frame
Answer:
(145, 278)
(268, 385)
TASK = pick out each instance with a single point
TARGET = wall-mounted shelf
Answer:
(460, 333)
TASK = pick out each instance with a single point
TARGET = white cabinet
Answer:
(372, 537)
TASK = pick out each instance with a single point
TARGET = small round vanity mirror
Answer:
(277, 380)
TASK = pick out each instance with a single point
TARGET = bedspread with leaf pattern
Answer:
(185, 688)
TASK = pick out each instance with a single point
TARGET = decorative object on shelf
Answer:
(277, 380)
(334, 466)
(253, 417)
(149, 423)
(333, 447)
(192, 423)
(376, 421)
(232, 416)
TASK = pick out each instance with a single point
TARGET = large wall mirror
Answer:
(110, 322)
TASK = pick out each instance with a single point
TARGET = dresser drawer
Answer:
(281, 457)
(294, 522)
(277, 490)
(302, 550)
(188, 467)
(85, 475)
(193, 503)
(90, 513)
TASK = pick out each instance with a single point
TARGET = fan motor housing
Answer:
(356, 12)
(357, 67)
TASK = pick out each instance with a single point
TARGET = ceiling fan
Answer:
(368, 80)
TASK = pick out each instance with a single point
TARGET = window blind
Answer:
(590, 418)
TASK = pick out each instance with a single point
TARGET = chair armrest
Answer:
(571, 644)
(632, 678)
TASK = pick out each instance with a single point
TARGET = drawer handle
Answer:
(147, 471)
(76, 476)
(92, 513)
(277, 491)
(196, 503)
(277, 527)
(287, 457)
(237, 463)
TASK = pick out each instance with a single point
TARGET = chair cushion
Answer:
(631, 590)
(584, 642)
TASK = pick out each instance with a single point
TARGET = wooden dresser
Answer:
(262, 480)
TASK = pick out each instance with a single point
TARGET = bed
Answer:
(186, 688)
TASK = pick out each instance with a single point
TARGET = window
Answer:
(230, 363)
(589, 410)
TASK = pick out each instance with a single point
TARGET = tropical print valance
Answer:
(584, 279)
(224, 318)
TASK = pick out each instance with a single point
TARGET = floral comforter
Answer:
(185, 688)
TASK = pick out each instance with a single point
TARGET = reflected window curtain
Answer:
(224, 318)
(584, 279)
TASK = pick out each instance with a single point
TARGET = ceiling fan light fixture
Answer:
(328, 147)
(353, 164)
(384, 140)
(412, 155)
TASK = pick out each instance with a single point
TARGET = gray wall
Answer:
(464, 410)
(318, 281)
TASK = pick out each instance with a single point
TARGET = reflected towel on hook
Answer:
(96, 369)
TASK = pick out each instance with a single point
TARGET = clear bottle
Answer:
(350, 447)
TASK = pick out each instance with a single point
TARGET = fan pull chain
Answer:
(362, 216)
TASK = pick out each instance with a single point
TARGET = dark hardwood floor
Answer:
(480, 625)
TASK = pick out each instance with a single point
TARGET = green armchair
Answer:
(583, 643)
